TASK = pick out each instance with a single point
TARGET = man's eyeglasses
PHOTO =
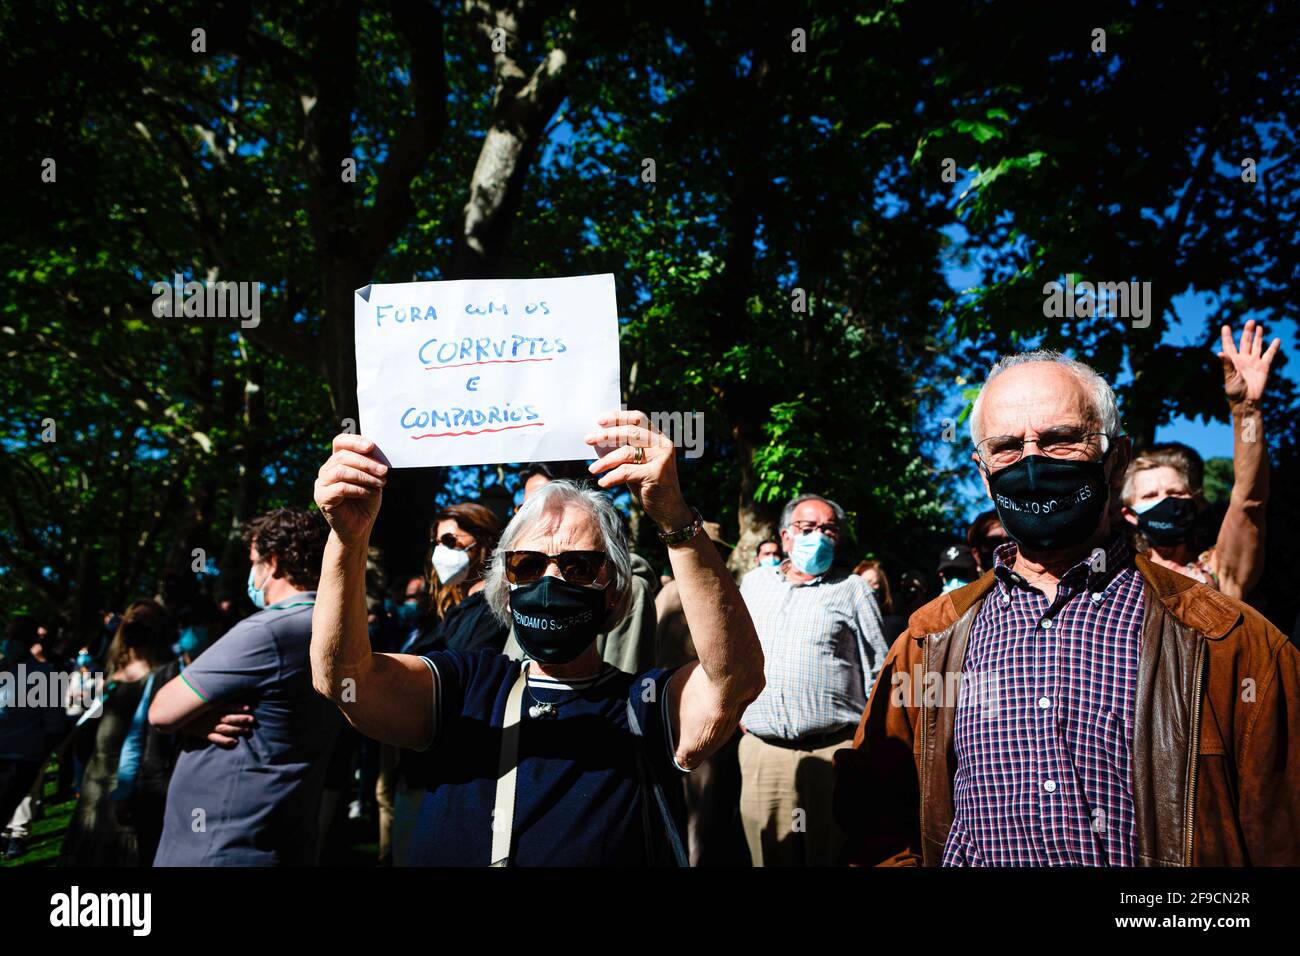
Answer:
(1066, 442)
(448, 540)
(576, 567)
(807, 527)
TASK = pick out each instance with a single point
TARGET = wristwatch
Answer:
(682, 535)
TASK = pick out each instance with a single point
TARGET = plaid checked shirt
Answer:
(823, 649)
(1044, 777)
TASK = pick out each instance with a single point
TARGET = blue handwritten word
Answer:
(530, 308)
(457, 417)
(485, 349)
(491, 307)
(413, 314)
(472, 384)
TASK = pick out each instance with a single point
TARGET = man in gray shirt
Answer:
(256, 803)
(821, 638)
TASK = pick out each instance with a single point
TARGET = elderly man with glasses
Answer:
(821, 634)
(559, 759)
(1077, 705)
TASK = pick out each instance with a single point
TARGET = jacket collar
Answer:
(1200, 608)
(940, 613)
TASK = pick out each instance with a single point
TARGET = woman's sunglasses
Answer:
(448, 540)
(576, 567)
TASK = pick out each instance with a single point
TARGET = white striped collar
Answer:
(549, 683)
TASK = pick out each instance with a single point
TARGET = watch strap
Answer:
(684, 534)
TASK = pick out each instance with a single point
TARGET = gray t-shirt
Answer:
(256, 804)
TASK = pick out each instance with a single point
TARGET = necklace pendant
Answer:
(538, 711)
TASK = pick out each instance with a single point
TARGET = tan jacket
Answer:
(1216, 740)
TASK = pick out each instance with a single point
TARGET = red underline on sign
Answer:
(488, 362)
(479, 432)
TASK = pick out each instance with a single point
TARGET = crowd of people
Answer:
(1081, 680)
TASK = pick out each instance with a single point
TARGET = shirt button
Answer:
(1045, 702)
(1096, 597)
(1006, 599)
(1049, 786)
(1045, 624)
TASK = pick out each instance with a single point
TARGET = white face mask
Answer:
(450, 564)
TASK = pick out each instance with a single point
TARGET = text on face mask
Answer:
(1049, 506)
(551, 624)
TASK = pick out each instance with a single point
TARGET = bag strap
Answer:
(132, 752)
(647, 771)
(503, 814)
(643, 785)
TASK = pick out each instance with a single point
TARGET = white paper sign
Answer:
(483, 371)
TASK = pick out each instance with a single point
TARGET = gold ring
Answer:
(640, 455)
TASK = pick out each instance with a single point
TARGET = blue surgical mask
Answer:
(193, 641)
(770, 561)
(953, 584)
(255, 594)
(813, 553)
(85, 660)
(408, 615)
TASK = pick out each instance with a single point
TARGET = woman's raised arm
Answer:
(1239, 552)
(385, 696)
(705, 698)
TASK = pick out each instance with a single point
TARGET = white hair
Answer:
(1100, 395)
(551, 500)
(787, 513)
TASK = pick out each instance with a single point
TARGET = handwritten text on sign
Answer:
(482, 371)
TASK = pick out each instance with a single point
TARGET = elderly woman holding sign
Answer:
(558, 759)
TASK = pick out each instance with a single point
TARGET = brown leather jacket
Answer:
(1216, 740)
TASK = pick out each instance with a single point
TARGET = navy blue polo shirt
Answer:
(577, 797)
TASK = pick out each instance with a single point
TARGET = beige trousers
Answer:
(785, 803)
(385, 798)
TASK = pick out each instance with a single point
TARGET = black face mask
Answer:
(1046, 504)
(1169, 522)
(556, 621)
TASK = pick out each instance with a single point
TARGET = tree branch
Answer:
(522, 106)
(422, 29)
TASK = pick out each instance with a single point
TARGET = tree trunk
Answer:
(522, 106)
(234, 558)
(755, 523)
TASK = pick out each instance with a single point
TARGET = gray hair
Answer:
(1098, 389)
(551, 500)
(787, 513)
